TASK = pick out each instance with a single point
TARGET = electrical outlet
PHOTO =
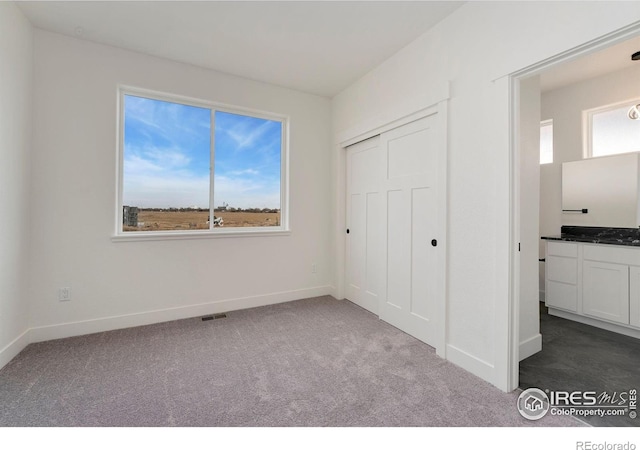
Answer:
(64, 294)
(314, 268)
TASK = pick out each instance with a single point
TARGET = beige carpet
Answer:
(313, 362)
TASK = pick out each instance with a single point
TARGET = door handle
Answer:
(347, 231)
(434, 242)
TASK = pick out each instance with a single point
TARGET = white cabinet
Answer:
(605, 291)
(562, 276)
(596, 284)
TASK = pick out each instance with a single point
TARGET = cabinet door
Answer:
(561, 295)
(605, 292)
(634, 296)
(561, 290)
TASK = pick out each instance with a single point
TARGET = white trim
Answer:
(200, 103)
(513, 351)
(620, 329)
(623, 34)
(506, 312)
(178, 235)
(14, 347)
(530, 346)
(470, 363)
(408, 112)
(64, 330)
(119, 159)
(433, 109)
(340, 222)
(212, 168)
(443, 227)
(213, 107)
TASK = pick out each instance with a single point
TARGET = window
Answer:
(609, 131)
(192, 167)
(546, 142)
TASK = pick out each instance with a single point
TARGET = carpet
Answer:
(316, 362)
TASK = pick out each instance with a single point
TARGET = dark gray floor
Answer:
(578, 357)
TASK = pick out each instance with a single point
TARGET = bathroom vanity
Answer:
(592, 275)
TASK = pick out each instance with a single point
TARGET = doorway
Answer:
(540, 366)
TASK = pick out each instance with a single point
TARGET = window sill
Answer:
(172, 235)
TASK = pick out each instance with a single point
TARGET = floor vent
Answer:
(215, 316)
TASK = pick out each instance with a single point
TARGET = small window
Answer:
(546, 142)
(194, 167)
(610, 131)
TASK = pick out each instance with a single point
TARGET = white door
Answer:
(363, 224)
(413, 276)
(605, 292)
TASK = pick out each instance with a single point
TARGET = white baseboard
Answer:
(333, 291)
(13, 348)
(530, 346)
(63, 330)
(470, 363)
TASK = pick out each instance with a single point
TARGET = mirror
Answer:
(606, 187)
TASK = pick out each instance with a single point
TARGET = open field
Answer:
(153, 220)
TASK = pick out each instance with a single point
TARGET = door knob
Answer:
(434, 242)
(347, 231)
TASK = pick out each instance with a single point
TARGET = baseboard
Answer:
(64, 330)
(13, 348)
(333, 291)
(530, 346)
(470, 363)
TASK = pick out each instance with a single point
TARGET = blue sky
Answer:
(167, 157)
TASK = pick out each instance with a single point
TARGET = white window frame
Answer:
(545, 123)
(283, 229)
(587, 125)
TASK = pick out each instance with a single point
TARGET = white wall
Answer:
(16, 66)
(529, 155)
(74, 190)
(475, 48)
(565, 106)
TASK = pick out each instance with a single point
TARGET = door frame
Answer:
(436, 103)
(631, 31)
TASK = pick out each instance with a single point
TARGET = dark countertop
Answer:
(591, 240)
(598, 235)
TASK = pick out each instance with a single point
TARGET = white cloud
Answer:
(245, 172)
(169, 158)
(166, 190)
(247, 193)
(246, 137)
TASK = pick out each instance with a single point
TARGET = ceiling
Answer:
(316, 47)
(612, 59)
